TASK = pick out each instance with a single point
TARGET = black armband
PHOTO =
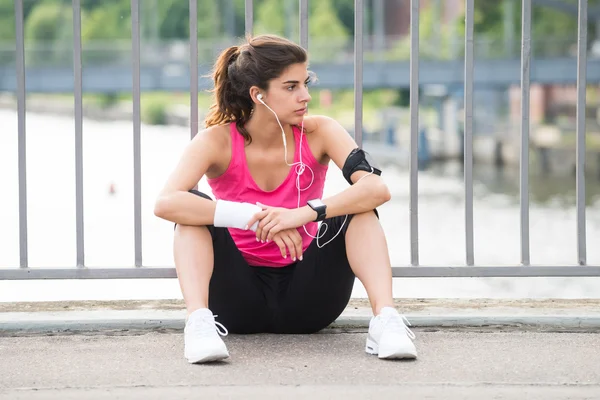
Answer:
(357, 161)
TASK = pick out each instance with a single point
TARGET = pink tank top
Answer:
(236, 184)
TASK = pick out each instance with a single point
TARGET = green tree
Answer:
(174, 19)
(328, 36)
(324, 22)
(7, 17)
(345, 13)
(270, 18)
(552, 31)
(105, 33)
(7, 20)
(49, 32)
(110, 22)
(327, 33)
(7, 31)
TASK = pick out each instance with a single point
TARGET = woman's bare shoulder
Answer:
(316, 129)
(215, 143)
(315, 123)
(216, 136)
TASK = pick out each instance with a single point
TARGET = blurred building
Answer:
(397, 13)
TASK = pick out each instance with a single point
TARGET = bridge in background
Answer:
(176, 76)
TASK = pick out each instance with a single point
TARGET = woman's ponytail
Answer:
(221, 111)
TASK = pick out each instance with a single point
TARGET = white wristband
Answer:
(230, 214)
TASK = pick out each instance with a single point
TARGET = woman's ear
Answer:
(254, 92)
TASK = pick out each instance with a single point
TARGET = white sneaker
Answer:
(389, 337)
(202, 340)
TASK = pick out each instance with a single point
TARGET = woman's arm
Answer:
(174, 202)
(365, 194)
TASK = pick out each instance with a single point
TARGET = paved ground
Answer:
(24, 319)
(452, 365)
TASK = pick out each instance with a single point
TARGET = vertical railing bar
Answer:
(288, 17)
(249, 17)
(193, 68)
(137, 173)
(414, 132)
(77, 91)
(581, 134)
(379, 21)
(438, 16)
(21, 110)
(358, 70)
(304, 23)
(509, 40)
(468, 131)
(524, 162)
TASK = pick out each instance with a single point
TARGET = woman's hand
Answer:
(289, 242)
(276, 219)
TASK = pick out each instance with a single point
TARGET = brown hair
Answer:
(238, 68)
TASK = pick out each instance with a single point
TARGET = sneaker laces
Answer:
(206, 325)
(400, 322)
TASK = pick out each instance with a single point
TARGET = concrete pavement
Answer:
(451, 365)
(468, 349)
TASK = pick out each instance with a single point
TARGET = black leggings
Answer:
(303, 297)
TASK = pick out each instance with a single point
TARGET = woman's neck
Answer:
(265, 131)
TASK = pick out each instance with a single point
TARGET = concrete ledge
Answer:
(137, 317)
(140, 324)
(532, 322)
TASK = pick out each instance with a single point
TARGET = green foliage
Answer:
(329, 37)
(154, 110)
(107, 100)
(345, 13)
(174, 18)
(109, 22)
(324, 23)
(48, 26)
(7, 31)
(270, 18)
(327, 33)
(49, 21)
(445, 47)
(449, 36)
(49, 30)
(107, 25)
(552, 31)
(7, 20)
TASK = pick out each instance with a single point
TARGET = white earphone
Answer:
(300, 170)
(300, 167)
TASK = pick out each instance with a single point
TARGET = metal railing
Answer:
(470, 269)
(100, 53)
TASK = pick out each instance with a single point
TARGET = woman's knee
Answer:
(196, 231)
(372, 214)
(367, 214)
(191, 229)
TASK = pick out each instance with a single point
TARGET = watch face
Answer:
(316, 203)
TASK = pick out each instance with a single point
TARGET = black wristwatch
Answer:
(319, 207)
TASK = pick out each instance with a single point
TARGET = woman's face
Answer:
(288, 94)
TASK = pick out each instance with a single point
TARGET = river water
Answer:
(108, 155)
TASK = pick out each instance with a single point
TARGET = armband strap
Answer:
(357, 161)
